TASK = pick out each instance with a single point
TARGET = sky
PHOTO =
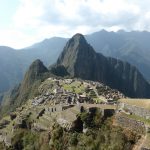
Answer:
(25, 22)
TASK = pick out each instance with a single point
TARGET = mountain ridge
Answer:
(80, 60)
(132, 47)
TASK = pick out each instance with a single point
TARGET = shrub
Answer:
(74, 139)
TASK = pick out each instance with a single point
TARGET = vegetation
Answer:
(75, 87)
(92, 94)
(28, 140)
(103, 135)
(100, 135)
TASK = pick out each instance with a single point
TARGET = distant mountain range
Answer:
(133, 47)
(79, 60)
(14, 63)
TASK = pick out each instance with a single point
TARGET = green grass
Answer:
(98, 100)
(92, 94)
(67, 87)
(75, 87)
(79, 90)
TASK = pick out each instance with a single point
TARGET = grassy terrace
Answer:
(146, 121)
(97, 100)
(74, 87)
(143, 103)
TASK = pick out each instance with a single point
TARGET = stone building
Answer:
(52, 109)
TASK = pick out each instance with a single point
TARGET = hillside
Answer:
(56, 116)
(46, 111)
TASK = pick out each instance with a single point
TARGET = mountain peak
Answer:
(38, 67)
(77, 39)
(77, 44)
(75, 49)
(81, 61)
(37, 61)
(34, 72)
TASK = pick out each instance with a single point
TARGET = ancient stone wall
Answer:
(139, 111)
(132, 124)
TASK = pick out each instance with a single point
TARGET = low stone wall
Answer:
(132, 124)
(139, 111)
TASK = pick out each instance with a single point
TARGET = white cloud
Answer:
(15, 38)
(35, 20)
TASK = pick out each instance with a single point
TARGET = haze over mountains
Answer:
(133, 47)
(14, 63)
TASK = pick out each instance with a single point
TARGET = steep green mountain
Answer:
(80, 60)
(36, 73)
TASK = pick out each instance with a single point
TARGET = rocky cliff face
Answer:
(80, 60)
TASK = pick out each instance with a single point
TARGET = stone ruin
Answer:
(52, 109)
(132, 124)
